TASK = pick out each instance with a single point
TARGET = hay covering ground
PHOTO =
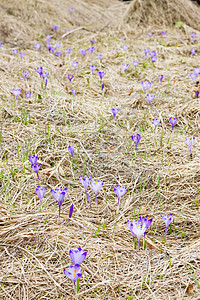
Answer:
(161, 179)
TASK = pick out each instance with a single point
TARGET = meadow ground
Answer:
(161, 179)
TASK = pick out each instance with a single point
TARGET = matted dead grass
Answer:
(161, 179)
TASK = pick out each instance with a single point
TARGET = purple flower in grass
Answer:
(136, 138)
(92, 68)
(71, 211)
(55, 27)
(86, 182)
(28, 95)
(49, 46)
(48, 37)
(70, 77)
(190, 142)
(130, 226)
(16, 93)
(58, 45)
(160, 78)
(173, 121)
(22, 54)
(193, 76)
(139, 229)
(44, 75)
(59, 195)
(122, 37)
(153, 58)
(150, 34)
(192, 34)
(92, 42)
(25, 74)
(14, 51)
(146, 85)
(91, 50)
(77, 255)
(37, 46)
(135, 63)
(71, 150)
(74, 92)
(156, 122)
(120, 191)
(125, 47)
(40, 191)
(99, 56)
(39, 70)
(146, 51)
(69, 50)
(167, 219)
(74, 273)
(75, 64)
(96, 186)
(196, 71)
(150, 98)
(101, 74)
(193, 51)
(35, 167)
(83, 52)
(197, 94)
(71, 9)
(102, 86)
(33, 159)
(125, 66)
(146, 221)
(115, 111)
(52, 49)
(163, 33)
(57, 53)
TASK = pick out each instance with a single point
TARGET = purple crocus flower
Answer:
(39, 70)
(115, 111)
(49, 46)
(86, 182)
(68, 31)
(57, 53)
(92, 42)
(35, 167)
(125, 66)
(74, 273)
(22, 54)
(196, 71)
(135, 63)
(96, 186)
(173, 121)
(125, 47)
(120, 191)
(160, 78)
(71, 150)
(91, 50)
(71, 9)
(150, 98)
(40, 191)
(192, 34)
(71, 211)
(197, 94)
(44, 75)
(69, 51)
(74, 92)
(122, 37)
(48, 37)
(99, 56)
(101, 74)
(52, 49)
(137, 229)
(59, 195)
(16, 93)
(156, 122)
(83, 52)
(25, 74)
(37, 46)
(75, 64)
(153, 58)
(130, 226)
(28, 95)
(193, 51)
(146, 51)
(70, 77)
(146, 221)
(167, 219)
(136, 138)
(150, 34)
(163, 32)
(193, 76)
(77, 255)
(190, 142)
(14, 51)
(33, 159)
(58, 45)
(92, 68)
(55, 27)
(146, 85)
(102, 86)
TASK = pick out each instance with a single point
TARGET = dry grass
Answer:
(160, 179)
